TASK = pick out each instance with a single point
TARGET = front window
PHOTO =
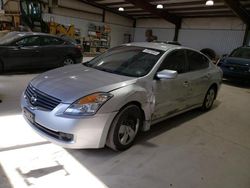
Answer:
(29, 41)
(127, 60)
(241, 53)
(176, 60)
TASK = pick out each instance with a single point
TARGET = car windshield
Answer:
(10, 37)
(127, 60)
(241, 53)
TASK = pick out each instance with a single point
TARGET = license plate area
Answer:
(29, 115)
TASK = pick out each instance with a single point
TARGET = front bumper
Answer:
(87, 132)
(235, 74)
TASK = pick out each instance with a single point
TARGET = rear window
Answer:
(51, 41)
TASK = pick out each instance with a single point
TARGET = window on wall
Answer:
(196, 61)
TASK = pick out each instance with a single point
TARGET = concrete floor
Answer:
(191, 150)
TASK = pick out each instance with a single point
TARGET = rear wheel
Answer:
(1, 67)
(124, 128)
(68, 61)
(209, 99)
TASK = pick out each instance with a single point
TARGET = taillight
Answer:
(78, 47)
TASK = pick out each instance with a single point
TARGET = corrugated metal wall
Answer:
(219, 34)
(162, 34)
(221, 41)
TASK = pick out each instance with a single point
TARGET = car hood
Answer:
(73, 82)
(237, 61)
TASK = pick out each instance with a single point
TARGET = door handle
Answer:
(207, 76)
(186, 83)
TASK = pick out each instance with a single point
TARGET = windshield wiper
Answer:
(104, 69)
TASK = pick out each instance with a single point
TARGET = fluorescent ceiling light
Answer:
(121, 9)
(209, 3)
(160, 6)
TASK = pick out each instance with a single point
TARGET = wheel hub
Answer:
(128, 131)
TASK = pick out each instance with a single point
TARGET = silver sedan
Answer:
(109, 99)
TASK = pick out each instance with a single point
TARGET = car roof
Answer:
(32, 33)
(154, 45)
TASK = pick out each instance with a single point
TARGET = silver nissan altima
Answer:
(127, 89)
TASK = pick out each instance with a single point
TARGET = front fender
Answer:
(131, 93)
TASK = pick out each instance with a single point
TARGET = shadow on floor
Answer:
(4, 180)
(99, 160)
(167, 125)
(24, 146)
(37, 173)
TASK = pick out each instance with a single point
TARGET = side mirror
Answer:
(167, 74)
(18, 45)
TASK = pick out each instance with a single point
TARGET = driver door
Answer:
(25, 54)
(171, 95)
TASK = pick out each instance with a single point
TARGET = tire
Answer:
(1, 67)
(209, 99)
(68, 61)
(124, 128)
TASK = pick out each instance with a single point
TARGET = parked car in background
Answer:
(236, 66)
(107, 100)
(25, 51)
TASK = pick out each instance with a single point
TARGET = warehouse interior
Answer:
(193, 149)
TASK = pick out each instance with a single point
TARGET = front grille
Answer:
(40, 99)
(58, 135)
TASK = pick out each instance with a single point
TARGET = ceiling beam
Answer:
(113, 3)
(185, 3)
(197, 8)
(239, 10)
(152, 9)
(93, 3)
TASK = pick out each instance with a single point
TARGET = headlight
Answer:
(88, 105)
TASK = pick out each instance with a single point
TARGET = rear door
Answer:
(24, 54)
(199, 76)
(53, 50)
(171, 95)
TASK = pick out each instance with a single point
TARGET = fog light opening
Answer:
(66, 137)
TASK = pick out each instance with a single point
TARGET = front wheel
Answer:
(68, 61)
(209, 99)
(124, 128)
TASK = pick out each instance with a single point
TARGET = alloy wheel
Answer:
(68, 61)
(128, 131)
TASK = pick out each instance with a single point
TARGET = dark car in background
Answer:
(26, 51)
(236, 66)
